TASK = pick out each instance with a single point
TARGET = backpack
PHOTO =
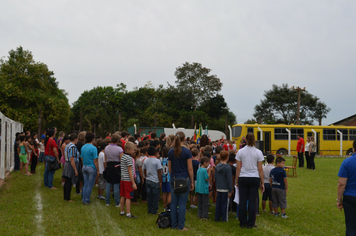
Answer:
(164, 220)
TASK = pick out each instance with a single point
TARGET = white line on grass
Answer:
(38, 216)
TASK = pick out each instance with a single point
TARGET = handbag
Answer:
(180, 185)
(52, 165)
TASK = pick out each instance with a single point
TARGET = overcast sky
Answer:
(249, 45)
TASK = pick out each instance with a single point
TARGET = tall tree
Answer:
(280, 106)
(30, 88)
(197, 79)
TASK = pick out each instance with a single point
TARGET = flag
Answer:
(206, 130)
(195, 133)
(199, 133)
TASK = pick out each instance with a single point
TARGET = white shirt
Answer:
(266, 171)
(307, 147)
(101, 160)
(249, 156)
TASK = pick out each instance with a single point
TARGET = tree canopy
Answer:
(281, 103)
(196, 79)
(28, 88)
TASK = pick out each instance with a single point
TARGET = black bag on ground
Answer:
(53, 165)
(164, 220)
(180, 186)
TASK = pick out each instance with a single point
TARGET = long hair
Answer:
(49, 134)
(170, 139)
(204, 140)
(250, 138)
(178, 139)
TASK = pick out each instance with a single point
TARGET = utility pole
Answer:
(299, 90)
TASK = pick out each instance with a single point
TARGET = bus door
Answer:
(267, 141)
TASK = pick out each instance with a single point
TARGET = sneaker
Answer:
(272, 212)
(276, 214)
(284, 216)
(192, 206)
(132, 216)
(102, 198)
(264, 210)
(122, 214)
(118, 205)
(107, 205)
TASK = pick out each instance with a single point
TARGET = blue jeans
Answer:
(152, 196)
(116, 188)
(48, 175)
(221, 206)
(349, 203)
(180, 200)
(89, 174)
(41, 157)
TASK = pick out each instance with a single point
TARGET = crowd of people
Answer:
(173, 168)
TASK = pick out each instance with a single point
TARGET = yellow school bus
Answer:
(279, 138)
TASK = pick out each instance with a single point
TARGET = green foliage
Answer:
(28, 87)
(196, 79)
(281, 103)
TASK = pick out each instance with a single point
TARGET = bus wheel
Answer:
(282, 151)
(349, 152)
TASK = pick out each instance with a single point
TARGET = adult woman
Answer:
(51, 154)
(70, 172)
(180, 166)
(249, 177)
(312, 152)
(113, 154)
(89, 153)
(346, 191)
(307, 153)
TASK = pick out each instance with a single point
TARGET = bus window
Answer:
(329, 134)
(352, 134)
(344, 135)
(280, 134)
(295, 132)
(249, 130)
(236, 131)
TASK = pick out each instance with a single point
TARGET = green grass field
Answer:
(28, 208)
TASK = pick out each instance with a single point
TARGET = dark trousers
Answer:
(34, 163)
(137, 193)
(144, 191)
(221, 209)
(248, 189)
(203, 205)
(67, 188)
(17, 161)
(349, 203)
(301, 159)
(152, 196)
(312, 162)
(307, 158)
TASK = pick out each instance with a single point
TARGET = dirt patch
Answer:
(2, 181)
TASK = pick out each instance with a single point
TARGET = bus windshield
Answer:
(236, 131)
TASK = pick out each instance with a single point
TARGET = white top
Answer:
(249, 156)
(266, 171)
(42, 147)
(307, 146)
(101, 160)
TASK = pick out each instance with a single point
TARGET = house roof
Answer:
(345, 119)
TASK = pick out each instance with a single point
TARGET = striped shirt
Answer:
(126, 161)
(71, 151)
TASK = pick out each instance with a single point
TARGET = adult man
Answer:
(300, 150)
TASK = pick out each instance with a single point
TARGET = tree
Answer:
(196, 79)
(29, 89)
(280, 106)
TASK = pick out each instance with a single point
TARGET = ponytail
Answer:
(178, 143)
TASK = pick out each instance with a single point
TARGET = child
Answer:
(267, 194)
(232, 161)
(23, 152)
(195, 163)
(127, 184)
(41, 144)
(166, 190)
(143, 157)
(139, 176)
(152, 170)
(202, 188)
(223, 180)
(278, 181)
(102, 166)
